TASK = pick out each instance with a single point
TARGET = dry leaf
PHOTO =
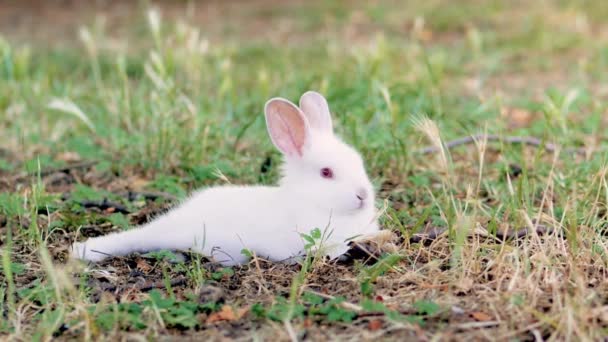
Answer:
(227, 314)
(464, 284)
(69, 157)
(425, 35)
(481, 316)
(393, 306)
(110, 210)
(517, 117)
(374, 325)
(138, 183)
(143, 265)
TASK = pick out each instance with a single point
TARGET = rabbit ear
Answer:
(316, 109)
(287, 126)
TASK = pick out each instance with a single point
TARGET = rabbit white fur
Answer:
(324, 185)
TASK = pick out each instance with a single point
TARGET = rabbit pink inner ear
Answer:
(287, 126)
(316, 109)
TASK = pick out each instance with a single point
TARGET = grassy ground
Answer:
(107, 121)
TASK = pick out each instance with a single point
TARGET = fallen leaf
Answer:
(481, 316)
(374, 325)
(517, 117)
(424, 35)
(69, 157)
(392, 306)
(307, 323)
(464, 285)
(227, 314)
(143, 265)
(137, 183)
(110, 210)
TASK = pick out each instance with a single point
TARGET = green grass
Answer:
(173, 108)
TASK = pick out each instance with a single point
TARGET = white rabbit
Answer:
(324, 185)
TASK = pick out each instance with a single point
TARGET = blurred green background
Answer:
(185, 85)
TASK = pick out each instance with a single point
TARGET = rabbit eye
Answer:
(327, 173)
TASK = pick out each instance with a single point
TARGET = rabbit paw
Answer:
(81, 251)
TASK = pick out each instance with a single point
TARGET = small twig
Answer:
(428, 236)
(345, 305)
(104, 205)
(290, 332)
(383, 314)
(357, 308)
(476, 325)
(520, 233)
(433, 233)
(109, 287)
(65, 168)
(524, 140)
(160, 284)
(530, 327)
(100, 252)
(95, 251)
(148, 195)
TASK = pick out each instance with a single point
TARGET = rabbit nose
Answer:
(361, 194)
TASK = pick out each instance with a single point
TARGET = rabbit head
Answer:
(318, 167)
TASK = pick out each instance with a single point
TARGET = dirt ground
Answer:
(127, 279)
